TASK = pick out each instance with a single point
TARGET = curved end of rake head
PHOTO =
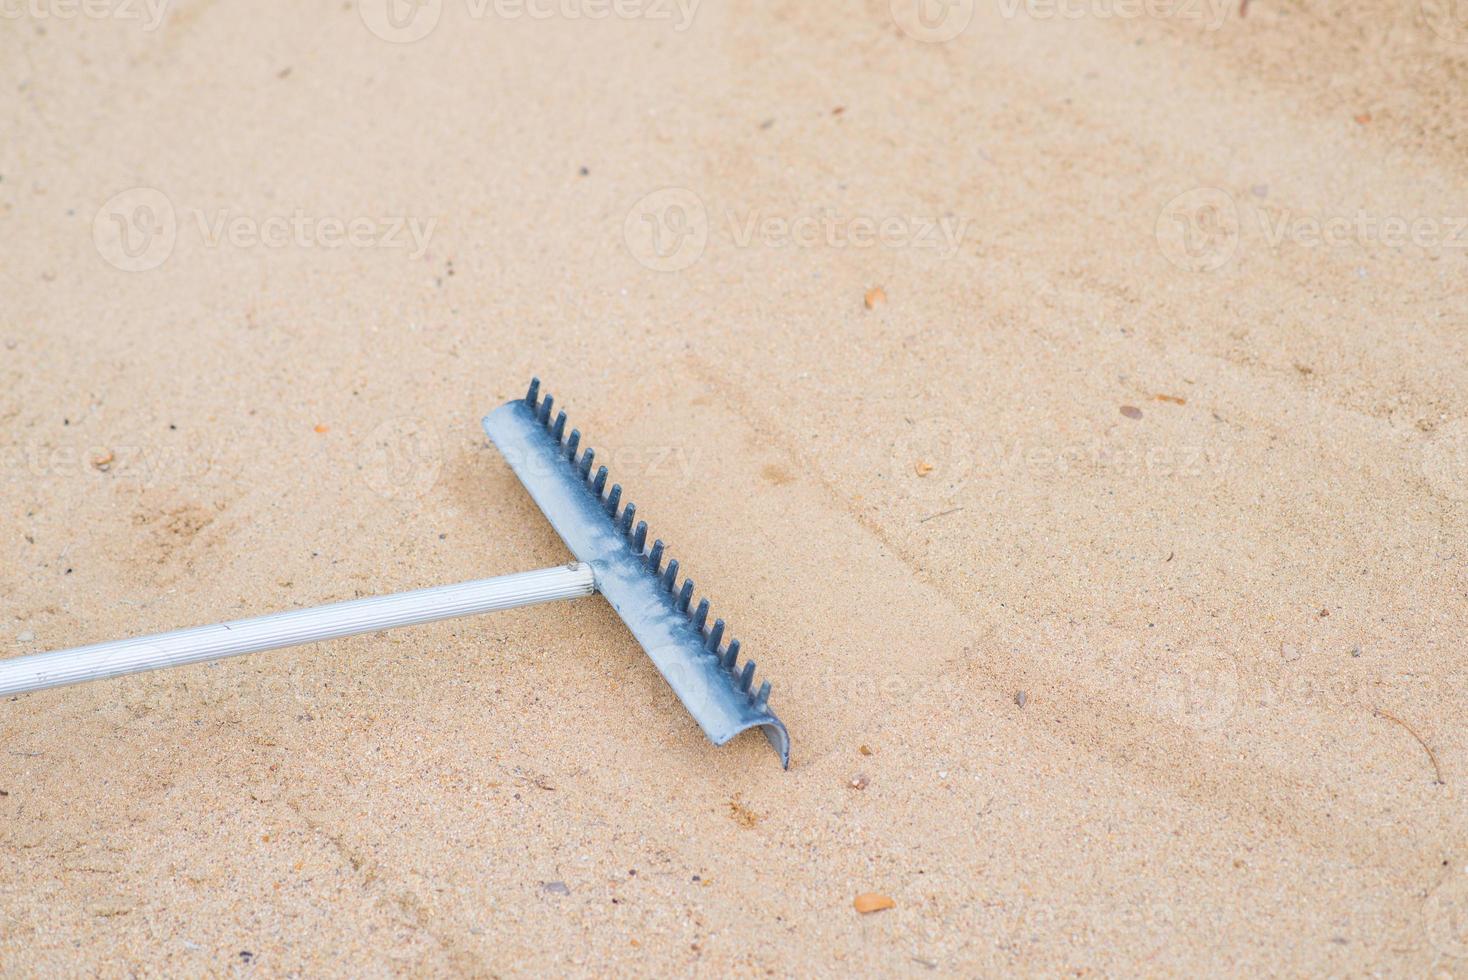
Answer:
(636, 576)
(775, 733)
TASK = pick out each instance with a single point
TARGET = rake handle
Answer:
(36, 672)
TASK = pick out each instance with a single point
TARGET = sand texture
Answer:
(1067, 406)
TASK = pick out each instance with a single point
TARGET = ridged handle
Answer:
(287, 629)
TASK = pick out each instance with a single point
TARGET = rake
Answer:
(612, 558)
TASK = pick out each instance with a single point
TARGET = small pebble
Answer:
(556, 887)
(865, 750)
(859, 781)
(869, 902)
(1131, 411)
(1021, 698)
(26, 637)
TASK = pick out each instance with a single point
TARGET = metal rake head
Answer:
(639, 581)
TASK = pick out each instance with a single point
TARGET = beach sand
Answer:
(1066, 406)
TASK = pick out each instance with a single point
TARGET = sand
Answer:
(1158, 425)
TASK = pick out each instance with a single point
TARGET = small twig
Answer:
(1431, 755)
(945, 513)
